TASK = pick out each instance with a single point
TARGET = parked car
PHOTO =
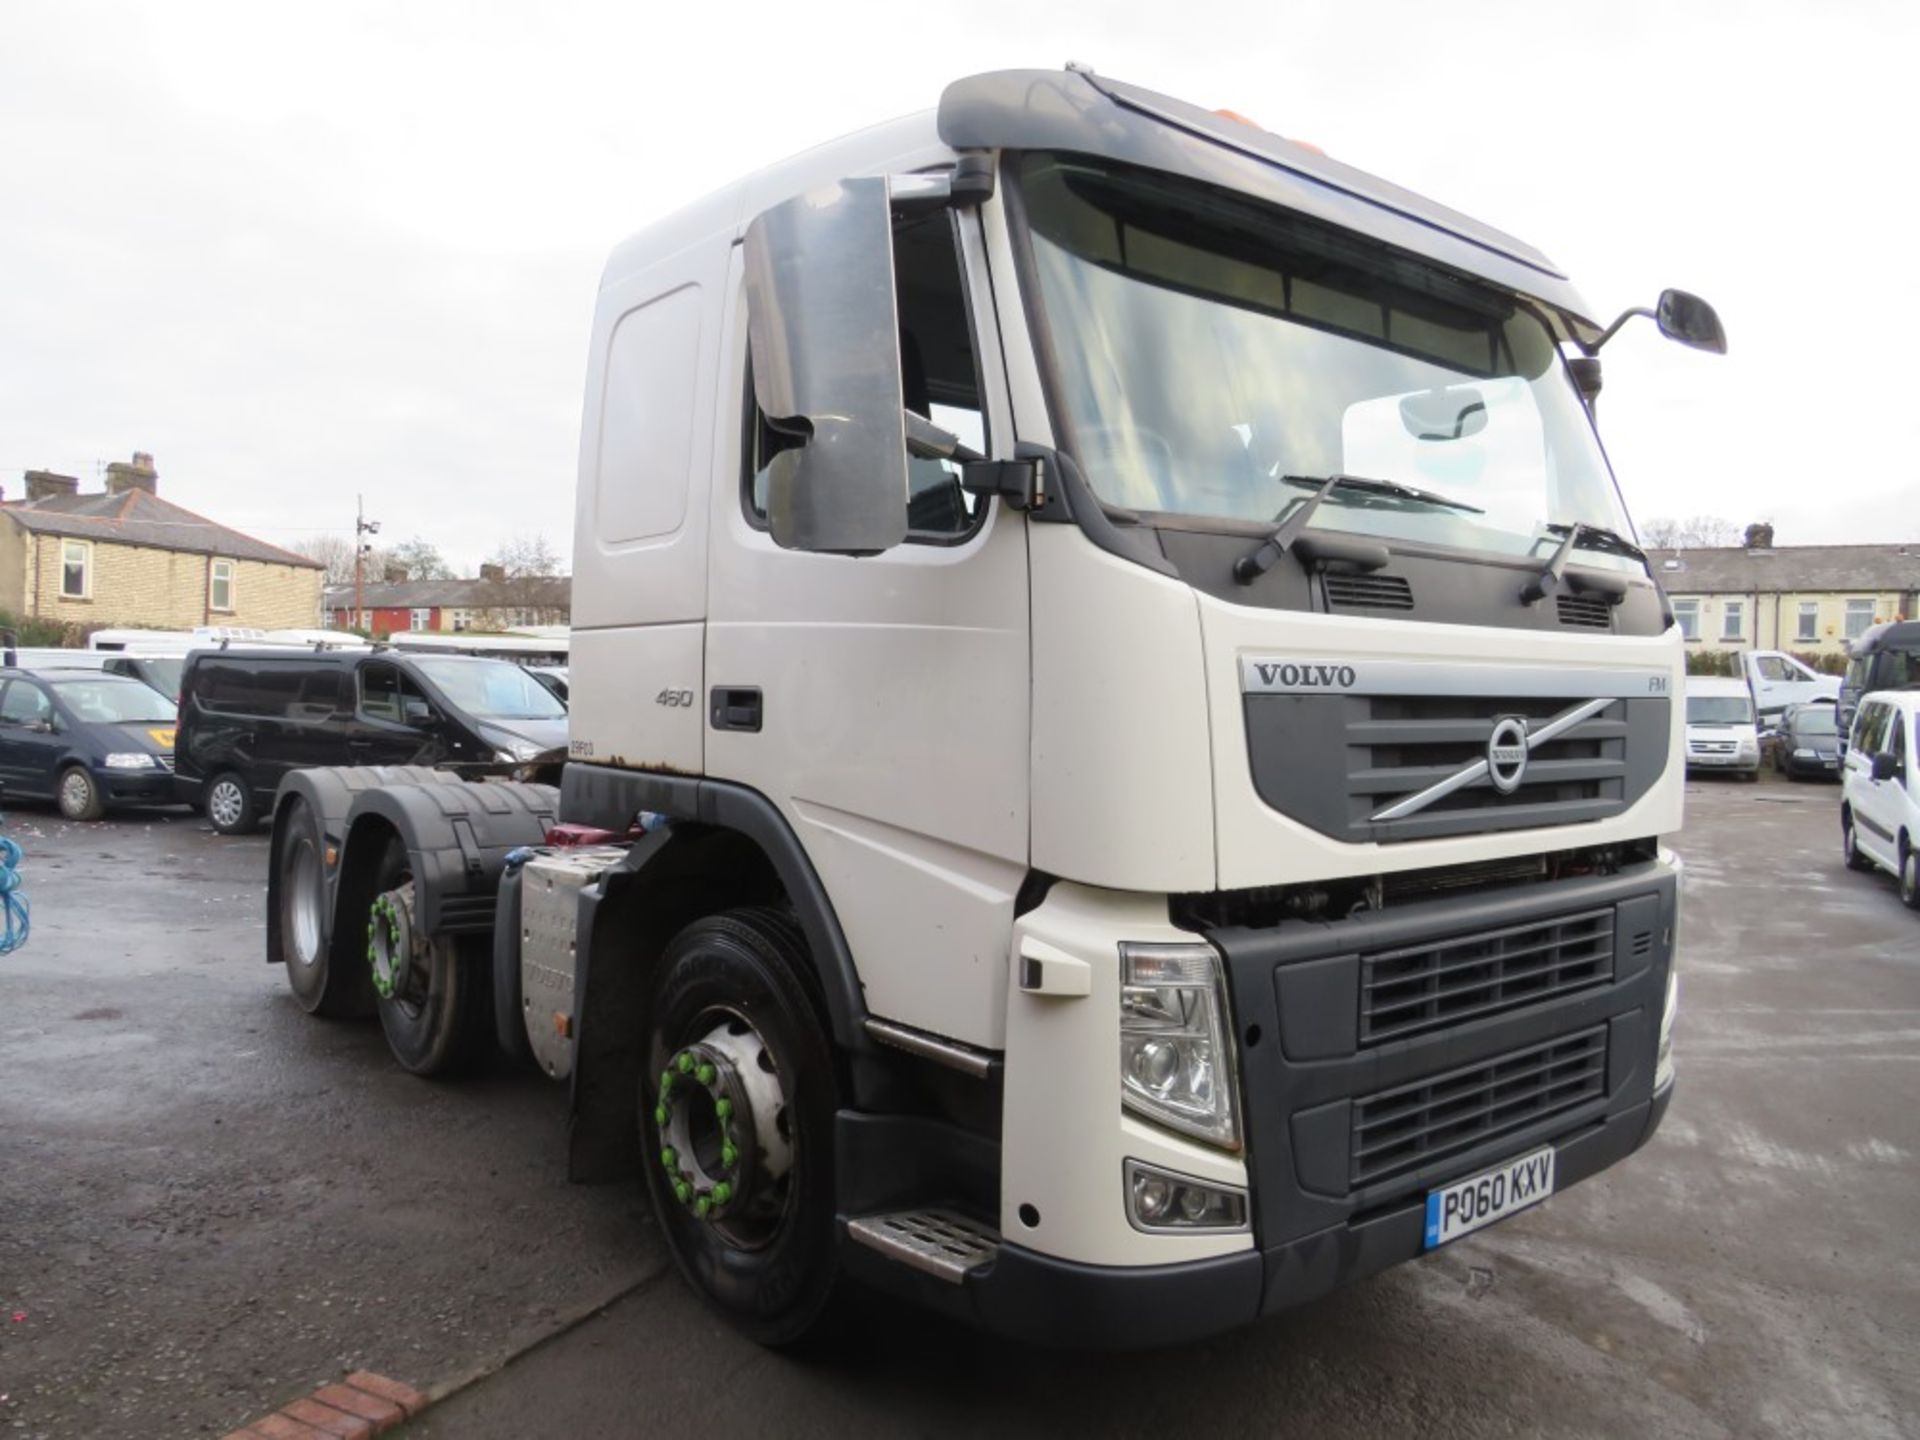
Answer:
(248, 716)
(1880, 790)
(1721, 734)
(162, 672)
(1887, 657)
(85, 740)
(1807, 742)
(554, 677)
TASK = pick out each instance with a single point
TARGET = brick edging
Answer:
(361, 1406)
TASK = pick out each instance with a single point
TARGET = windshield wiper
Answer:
(1264, 556)
(1586, 537)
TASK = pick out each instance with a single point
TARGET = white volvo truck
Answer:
(1118, 737)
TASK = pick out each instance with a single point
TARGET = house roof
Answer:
(1788, 568)
(141, 518)
(527, 592)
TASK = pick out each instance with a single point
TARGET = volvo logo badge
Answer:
(1507, 754)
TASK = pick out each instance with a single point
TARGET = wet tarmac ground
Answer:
(211, 1204)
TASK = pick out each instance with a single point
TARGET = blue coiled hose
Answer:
(13, 902)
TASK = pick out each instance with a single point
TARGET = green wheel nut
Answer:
(706, 1074)
(723, 1108)
(728, 1155)
(702, 1206)
(667, 1157)
(684, 1061)
(722, 1193)
(660, 1115)
(682, 1191)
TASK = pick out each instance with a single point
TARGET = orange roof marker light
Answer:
(1239, 119)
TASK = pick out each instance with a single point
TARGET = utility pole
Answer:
(362, 528)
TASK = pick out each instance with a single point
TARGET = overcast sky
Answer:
(301, 252)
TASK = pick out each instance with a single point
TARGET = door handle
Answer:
(735, 707)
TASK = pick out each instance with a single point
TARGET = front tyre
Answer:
(1910, 877)
(79, 794)
(1850, 846)
(737, 1107)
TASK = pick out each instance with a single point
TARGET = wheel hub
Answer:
(391, 941)
(719, 1114)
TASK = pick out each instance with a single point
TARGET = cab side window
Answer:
(386, 694)
(939, 381)
(24, 705)
(1870, 728)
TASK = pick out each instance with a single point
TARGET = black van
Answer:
(1886, 657)
(248, 716)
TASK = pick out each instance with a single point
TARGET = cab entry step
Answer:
(939, 1242)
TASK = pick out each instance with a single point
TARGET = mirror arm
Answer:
(1608, 333)
(1021, 483)
(927, 441)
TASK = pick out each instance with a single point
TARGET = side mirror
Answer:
(1691, 321)
(1885, 766)
(822, 329)
(416, 712)
(1680, 316)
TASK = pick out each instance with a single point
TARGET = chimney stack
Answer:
(42, 483)
(495, 573)
(1760, 536)
(138, 474)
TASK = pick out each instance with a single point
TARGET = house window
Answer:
(1733, 613)
(1859, 617)
(1809, 621)
(76, 570)
(420, 619)
(1687, 614)
(220, 586)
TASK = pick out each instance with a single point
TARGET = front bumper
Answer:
(136, 787)
(1723, 762)
(1316, 1062)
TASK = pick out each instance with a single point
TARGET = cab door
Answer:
(881, 700)
(1872, 800)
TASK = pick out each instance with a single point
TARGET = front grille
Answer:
(1414, 1125)
(1442, 982)
(1711, 747)
(1584, 610)
(1368, 592)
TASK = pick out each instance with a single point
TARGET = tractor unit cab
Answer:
(1118, 736)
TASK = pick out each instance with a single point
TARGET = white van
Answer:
(1720, 731)
(1880, 790)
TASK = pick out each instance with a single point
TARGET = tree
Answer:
(420, 559)
(525, 555)
(1698, 532)
(336, 553)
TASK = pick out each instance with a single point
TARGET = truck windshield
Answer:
(1205, 346)
(491, 689)
(1719, 710)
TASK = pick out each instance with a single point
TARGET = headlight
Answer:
(513, 751)
(130, 760)
(1176, 1041)
(1805, 754)
(1663, 1061)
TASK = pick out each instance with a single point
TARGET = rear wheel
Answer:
(1910, 876)
(737, 1106)
(318, 986)
(229, 804)
(429, 991)
(1850, 846)
(79, 795)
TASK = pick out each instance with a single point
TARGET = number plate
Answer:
(1466, 1205)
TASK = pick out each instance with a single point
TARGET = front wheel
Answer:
(1910, 877)
(79, 795)
(1850, 845)
(737, 1109)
